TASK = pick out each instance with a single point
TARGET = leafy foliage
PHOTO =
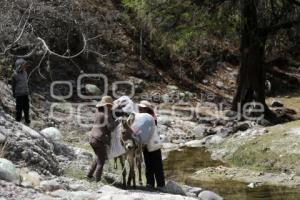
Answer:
(183, 26)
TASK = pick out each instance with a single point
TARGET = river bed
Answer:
(181, 165)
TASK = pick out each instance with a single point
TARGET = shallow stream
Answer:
(180, 166)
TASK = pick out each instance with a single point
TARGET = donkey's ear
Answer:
(125, 124)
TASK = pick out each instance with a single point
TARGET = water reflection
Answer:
(180, 165)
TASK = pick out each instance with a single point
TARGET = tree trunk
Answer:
(252, 75)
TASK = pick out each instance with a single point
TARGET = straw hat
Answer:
(145, 104)
(106, 100)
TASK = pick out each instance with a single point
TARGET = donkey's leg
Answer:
(116, 162)
(133, 170)
(131, 177)
(122, 161)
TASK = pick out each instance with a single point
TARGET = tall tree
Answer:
(259, 18)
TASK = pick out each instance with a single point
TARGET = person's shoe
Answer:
(149, 187)
(162, 189)
(89, 178)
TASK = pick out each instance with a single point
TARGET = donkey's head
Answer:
(127, 133)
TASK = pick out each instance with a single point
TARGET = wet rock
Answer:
(52, 133)
(276, 103)
(8, 171)
(170, 146)
(208, 195)
(174, 188)
(195, 143)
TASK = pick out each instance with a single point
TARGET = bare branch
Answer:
(62, 56)
(7, 48)
(38, 67)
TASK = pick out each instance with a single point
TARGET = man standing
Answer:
(153, 159)
(101, 135)
(20, 90)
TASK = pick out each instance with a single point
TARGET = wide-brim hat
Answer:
(145, 104)
(105, 101)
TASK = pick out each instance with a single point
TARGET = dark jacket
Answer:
(20, 83)
(103, 126)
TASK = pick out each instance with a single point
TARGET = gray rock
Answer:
(92, 89)
(191, 190)
(26, 146)
(213, 139)
(195, 143)
(50, 185)
(195, 190)
(243, 126)
(199, 131)
(208, 195)
(174, 188)
(63, 149)
(77, 187)
(31, 178)
(52, 133)
(8, 171)
(276, 103)
(170, 146)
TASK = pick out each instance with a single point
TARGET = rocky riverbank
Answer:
(54, 153)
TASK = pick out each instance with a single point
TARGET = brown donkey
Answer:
(133, 154)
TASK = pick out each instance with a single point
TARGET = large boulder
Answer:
(52, 133)
(26, 146)
(8, 171)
